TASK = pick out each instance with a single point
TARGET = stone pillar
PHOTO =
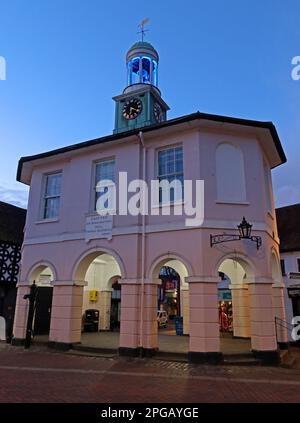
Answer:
(66, 314)
(150, 327)
(279, 312)
(20, 321)
(204, 320)
(240, 311)
(130, 316)
(132, 341)
(185, 311)
(263, 338)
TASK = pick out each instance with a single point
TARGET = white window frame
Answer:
(94, 182)
(164, 148)
(282, 260)
(44, 197)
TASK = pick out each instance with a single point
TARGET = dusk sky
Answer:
(66, 59)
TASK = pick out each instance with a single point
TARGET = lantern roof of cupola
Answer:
(141, 47)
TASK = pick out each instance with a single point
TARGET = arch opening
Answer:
(43, 276)
(233, 305)
(101, 304)
(172, 304)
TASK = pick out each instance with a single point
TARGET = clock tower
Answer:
(140, 104)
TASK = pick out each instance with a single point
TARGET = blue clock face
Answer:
(132, 108)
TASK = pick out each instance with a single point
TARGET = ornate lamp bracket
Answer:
(245, 233)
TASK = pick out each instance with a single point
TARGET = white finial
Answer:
(142, 27)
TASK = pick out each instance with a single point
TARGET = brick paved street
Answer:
(40, 375)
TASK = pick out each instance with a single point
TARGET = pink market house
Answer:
(115, 264)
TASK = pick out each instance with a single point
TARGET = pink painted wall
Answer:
(43, 240)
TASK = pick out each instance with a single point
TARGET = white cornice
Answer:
(215, 225)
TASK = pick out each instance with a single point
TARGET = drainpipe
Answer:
(141, 138)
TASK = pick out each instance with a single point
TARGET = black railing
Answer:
(283, 324)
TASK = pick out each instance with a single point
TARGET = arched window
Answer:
(230, 174)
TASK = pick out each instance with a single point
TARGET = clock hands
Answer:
(132, 108)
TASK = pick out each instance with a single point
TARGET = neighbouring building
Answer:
(288, 220)
(12, 221)
(130, 266)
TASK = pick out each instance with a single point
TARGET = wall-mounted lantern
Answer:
(244, 228)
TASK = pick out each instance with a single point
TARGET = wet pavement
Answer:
(41, 375)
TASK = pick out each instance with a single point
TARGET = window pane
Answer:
(161, 168)
(170, 168)
(53, 185)
(105, 170)
(178, 153)
(178, 166)
(51, 208)
(298, 260)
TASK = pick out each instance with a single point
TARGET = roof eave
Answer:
(194, 116)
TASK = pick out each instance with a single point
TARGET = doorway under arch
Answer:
(99, 314)
(115, 304)
(173, 299)
(43, 276)
(233, 305)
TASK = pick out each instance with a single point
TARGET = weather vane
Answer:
(142, 28)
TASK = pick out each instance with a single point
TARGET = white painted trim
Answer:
(171, 205)
(242, 203)
(55, 219)
(171, 255)
(220, 225)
